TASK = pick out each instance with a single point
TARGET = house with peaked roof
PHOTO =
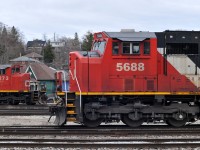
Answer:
(23, 59)
(35, 46)
(34, 55)
(44, 74)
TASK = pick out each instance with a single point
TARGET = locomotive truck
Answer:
(17, 87)
(133, 77)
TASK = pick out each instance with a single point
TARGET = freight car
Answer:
(17, 87)
(133, 77)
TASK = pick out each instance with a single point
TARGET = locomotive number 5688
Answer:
(130, 66)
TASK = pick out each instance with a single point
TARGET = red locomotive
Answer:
(16, 87)
(134, 77)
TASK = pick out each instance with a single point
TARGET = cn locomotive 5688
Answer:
(17, 87)
(133, 77)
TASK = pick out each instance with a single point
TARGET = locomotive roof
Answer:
(131, 36)
(5, 66)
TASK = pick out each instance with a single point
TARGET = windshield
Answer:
(100, 46)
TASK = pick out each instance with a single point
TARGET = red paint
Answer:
(14, 80)
(102, 75)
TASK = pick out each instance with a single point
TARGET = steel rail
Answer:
(100, 144)
(79, 130)
(76, 137)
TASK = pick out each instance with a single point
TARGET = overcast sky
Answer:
(34, 18)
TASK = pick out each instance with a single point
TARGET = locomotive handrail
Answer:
(65, 85)
(75, 77)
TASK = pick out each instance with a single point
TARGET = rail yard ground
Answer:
(116, 137)
(25, 120)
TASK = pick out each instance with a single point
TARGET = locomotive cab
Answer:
(131, 57)
(118, 62)
(15, 69)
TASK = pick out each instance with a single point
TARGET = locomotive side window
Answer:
(135, 48)
(131, 48)
(15, 70)
(147, 48)
(115, 48)
(100, 46)
(126, 48)
(2, 71)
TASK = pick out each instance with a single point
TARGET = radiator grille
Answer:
(150, 85)
(128, 85)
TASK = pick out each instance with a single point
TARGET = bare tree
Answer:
(11, 43)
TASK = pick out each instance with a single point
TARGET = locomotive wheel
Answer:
(132, 123)
(92, 123)
(177, 122)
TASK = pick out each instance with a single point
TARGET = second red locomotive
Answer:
(128, 77)
(17, 87)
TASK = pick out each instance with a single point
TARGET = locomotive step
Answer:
(71, 119)
(71, 112)
(71, 99)
(70, 105)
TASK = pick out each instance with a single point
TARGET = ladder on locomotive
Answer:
(71, 107)
(68, 97)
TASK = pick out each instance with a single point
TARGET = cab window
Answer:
(131, 48)
(126, 48)
(2, 71)
(147, 48)
(115, 48)
(15, 70)
(135, 48)
(100, 46)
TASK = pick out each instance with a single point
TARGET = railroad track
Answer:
(11, 110)
(101, 143)
(109, 137)
(101, 130)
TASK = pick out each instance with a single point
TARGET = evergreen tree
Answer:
(4, 36)
(11, 43)
(2, 49)
(87, 41)
(76, 37)
(48, 53)
(76, 42)
(14, 34)
(4, 32)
